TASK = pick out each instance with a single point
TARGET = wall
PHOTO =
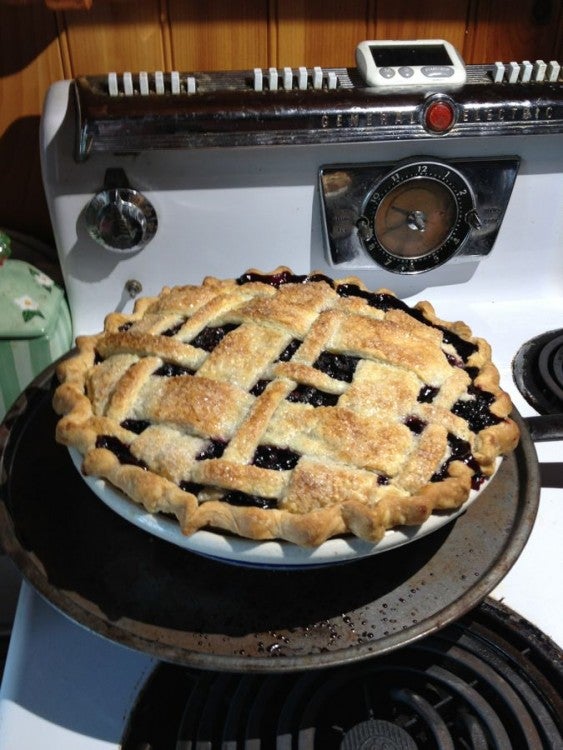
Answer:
(40, 43)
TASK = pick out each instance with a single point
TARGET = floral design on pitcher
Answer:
(29, 307)
(42, 279)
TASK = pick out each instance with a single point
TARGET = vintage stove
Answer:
(416, 173)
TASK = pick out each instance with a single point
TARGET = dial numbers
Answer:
(416, 217)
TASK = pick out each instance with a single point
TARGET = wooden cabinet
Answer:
(45, 40)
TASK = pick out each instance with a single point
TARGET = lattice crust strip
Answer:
(281, 406)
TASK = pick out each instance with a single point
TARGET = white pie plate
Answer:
(268, 554)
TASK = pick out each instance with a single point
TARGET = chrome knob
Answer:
(473, 219)
(121, 219)
(364, 229)
(133, 288)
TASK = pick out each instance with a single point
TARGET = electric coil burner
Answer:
(538, 372)
(415, 173)
(489, 680)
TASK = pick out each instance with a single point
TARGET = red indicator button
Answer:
(439, 116)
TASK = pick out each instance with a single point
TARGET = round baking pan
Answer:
(148, 594)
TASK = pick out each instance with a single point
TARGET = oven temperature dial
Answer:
(121, 219)
(418, 216)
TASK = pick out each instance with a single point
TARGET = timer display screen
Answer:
(395, 56)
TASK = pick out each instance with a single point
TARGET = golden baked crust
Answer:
(281, 407)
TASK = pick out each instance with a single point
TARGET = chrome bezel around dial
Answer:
(413, 172)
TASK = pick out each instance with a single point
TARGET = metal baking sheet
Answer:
(148, 594)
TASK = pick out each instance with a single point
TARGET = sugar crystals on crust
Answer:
(276, 406)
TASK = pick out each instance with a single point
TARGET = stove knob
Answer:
(121, 220)
(473, 219)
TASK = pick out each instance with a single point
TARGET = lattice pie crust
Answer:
(288, 407)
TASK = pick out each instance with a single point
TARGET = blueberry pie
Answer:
(277, 406)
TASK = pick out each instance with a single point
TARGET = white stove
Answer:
(154, 180)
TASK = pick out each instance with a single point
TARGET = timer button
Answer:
(437, 71)
(406, 71)
(439, 116)
(387, 72)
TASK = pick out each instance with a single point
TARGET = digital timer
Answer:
(413, 63)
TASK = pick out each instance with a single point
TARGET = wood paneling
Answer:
(30, 59)
(319, 32)
(39, 45)
(221, 35)
(115, 36)
(412, 19)
(529, 29)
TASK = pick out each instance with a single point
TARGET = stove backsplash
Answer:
(455, 191)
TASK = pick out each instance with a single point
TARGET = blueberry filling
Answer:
(453, 360)
(384, 301)
(209, 337)
(125, 327)
(120, 450)
(241, 498)
(464, 348)
(135, 425)
(284, 277)
(476, 411)
(171, 370)
(460, 450)
(305, 394)
(235, 497)
(338, 366)
(259, 387)
(427, 394)
(213, 449)
(415, 424)
(382, 481)
(289, 350)
(277, 459)
(380, 300)
(191, 487)
(173, 330)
